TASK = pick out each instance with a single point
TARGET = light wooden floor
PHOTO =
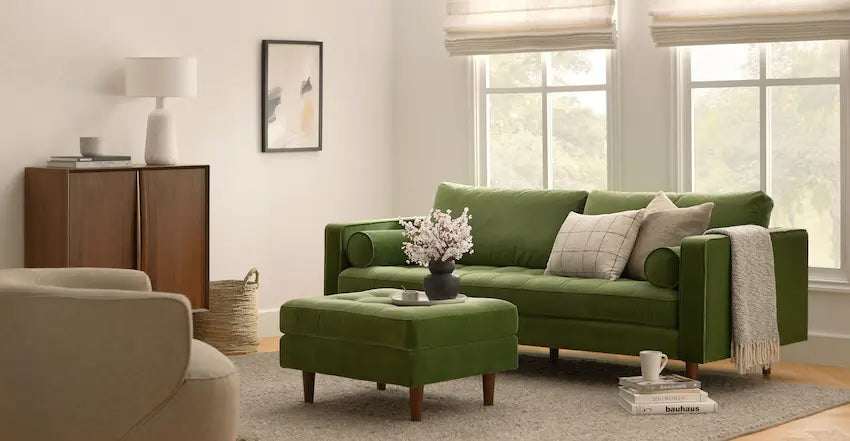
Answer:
(830, 425)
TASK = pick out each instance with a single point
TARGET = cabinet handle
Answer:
(139, 221)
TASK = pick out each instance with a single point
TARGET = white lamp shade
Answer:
(161, 76)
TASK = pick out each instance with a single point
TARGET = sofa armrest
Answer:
(97, 361)
(705, 297)
(336, 240)
(87, 278)
(791, 261)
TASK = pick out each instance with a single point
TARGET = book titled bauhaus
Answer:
(707, 406)
(674, 396)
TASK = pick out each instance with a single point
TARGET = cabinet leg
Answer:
(692, 370)
(382, 386)
(553, 355)
(488, 381)
(309, 379)
(416, 393)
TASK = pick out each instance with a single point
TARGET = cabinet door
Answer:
(174, 231)
(45, 218)
(102, 219)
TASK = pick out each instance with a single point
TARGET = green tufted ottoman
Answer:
(362, 335)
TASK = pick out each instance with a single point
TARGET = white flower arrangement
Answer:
(437, 237)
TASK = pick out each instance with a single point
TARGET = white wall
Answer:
(645, 102)
(432, 105)
(433, 140)
(61, 76)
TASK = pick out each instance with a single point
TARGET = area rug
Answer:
(573, 400)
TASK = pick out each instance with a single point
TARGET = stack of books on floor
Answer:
(670, 394)
(88, 161)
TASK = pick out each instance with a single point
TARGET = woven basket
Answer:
(231, 323)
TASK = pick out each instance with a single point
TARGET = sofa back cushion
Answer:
(730, 209)
(510, 227)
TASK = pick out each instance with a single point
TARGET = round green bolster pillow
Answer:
(662, 267)
(376, 247)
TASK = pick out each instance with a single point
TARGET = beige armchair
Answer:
(91, 354)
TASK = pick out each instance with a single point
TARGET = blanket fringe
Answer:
(754, 356)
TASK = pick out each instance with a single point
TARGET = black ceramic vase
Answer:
(441, 284)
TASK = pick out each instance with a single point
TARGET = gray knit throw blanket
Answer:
(755, 334)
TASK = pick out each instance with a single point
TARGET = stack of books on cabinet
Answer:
(670, 394)
(88, 161)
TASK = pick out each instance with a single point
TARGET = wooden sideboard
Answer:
(151, 218)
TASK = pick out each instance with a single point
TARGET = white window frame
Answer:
(821, 279)
(481, 140)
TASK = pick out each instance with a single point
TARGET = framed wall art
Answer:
(291, 95)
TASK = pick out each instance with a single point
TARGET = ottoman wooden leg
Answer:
(382, 386)
(553, 355)
(416, 393)
(309, 385)
(489, 383)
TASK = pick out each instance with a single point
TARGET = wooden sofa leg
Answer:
(765, 372)
(416, 393)
(488, 381)
(553, 355)
(309, 379)
(382, 386)
(692, 370)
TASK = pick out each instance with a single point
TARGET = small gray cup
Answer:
(90, 146)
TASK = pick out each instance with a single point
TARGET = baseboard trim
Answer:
(820, 348)
(825, 349)
(269, 323)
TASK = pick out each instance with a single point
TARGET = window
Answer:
(774, 117)
(543, 119)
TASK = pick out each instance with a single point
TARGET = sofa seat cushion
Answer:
(207, 363)
(536, 294)
(204, 407)
(369, 317)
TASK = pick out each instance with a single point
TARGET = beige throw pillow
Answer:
(665, 225)
(658, 203)
(594, 246)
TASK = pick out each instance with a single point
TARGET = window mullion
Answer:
(844, 158)
(482, 65)
(764, 123)
(685, 115)
(546, 58)
(612, 122)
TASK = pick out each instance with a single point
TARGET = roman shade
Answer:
(688, 22)
(476, 27)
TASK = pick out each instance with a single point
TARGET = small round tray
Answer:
(423, 300)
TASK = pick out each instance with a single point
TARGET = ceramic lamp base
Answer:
(161, 137)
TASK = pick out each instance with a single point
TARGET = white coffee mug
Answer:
(651, 364)
(410, 295)
(90, 146)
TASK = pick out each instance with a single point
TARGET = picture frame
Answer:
(291, 90)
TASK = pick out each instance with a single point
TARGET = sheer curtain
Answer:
(689, 22)
(475, 27)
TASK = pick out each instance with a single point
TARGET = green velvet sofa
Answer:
(683, 311)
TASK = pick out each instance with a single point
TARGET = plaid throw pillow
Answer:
(594, 246)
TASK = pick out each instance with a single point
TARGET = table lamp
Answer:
(161, 77)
